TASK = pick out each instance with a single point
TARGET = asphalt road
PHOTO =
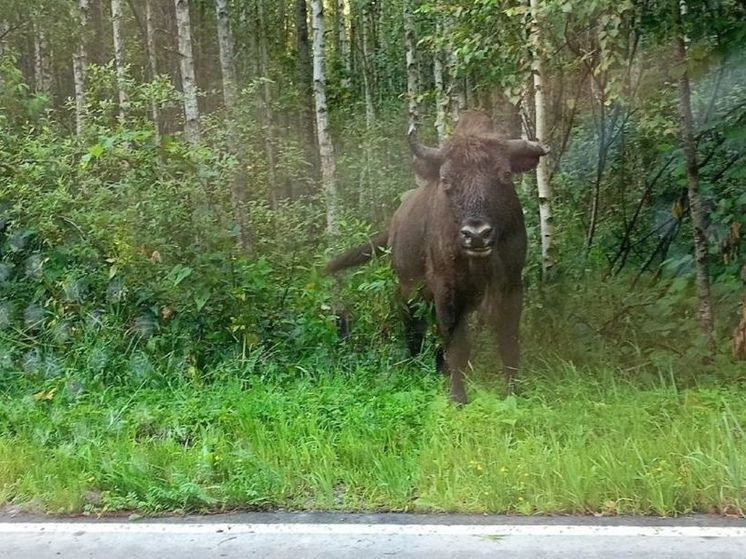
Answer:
(362, 536)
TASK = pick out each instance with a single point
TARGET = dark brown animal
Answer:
(460, 241)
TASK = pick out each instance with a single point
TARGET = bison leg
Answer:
(507, 333)
(440, 361)
(415, 329)
(453, 329)
(457, 357)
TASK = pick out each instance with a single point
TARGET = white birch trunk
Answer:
(305, 75)
(225, 44)
(542, 170)
(441, 99)
(42, 63)
(326, 149)
(119, 59)
(455, 87)
(188, 80)
(238, 187)
(150, 47)
(38, 57)
(370, 108)
(269, 139)
(80, 67)
(410, 41)
(340, 27)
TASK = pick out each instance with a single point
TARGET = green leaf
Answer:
(96, 150)
(179, 273)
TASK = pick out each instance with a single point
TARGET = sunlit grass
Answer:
(573, 441)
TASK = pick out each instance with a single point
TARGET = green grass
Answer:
(360, 438)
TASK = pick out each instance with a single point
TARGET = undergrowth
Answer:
(363, 436)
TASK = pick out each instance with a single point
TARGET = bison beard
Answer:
(460, 241)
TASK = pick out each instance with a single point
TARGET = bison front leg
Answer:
(507, 326)
(453, 330)
(415, 328)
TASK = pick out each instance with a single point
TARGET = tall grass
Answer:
(364, 437)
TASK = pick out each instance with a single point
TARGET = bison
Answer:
(459, 240)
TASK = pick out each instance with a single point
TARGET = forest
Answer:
(175, 174)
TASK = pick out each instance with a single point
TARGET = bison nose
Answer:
(476, 236)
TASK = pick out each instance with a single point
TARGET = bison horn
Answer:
(421, 151)
(526, 148)
(524, 154)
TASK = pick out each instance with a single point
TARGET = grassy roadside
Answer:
(573, 442)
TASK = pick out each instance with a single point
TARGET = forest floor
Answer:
(362, 439)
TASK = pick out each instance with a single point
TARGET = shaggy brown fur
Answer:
(470, 189)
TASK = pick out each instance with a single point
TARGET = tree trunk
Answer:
(370, 109)
(188, 81)
(441, 98)
(739, 334)
(248, 48)
(225, 45)
(116, 28)
(42, 63)
(3, 36)
(542, 170)
(326, 149)
(269, 139)
(305, 76)
(80, 66)
(696, 210)
(341, 42)
(150, 47)
(238, 185)
(410, 41)
(455, 87)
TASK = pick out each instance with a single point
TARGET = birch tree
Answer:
(410, 41)
(456, 96)
(696, 210)
(269, 139)
(225, 45)
(186, 65)
(227, 67)
(42, 62)
(80, 65)
(441, 98)
(119, 61)
(150, 47)
(542, 170)
(305, 77)
(370, 108)
(342, 44)
(326, 149)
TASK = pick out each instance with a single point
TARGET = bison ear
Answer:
(427, 160)
(524, 154)
(426, 170)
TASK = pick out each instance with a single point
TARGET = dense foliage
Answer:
(119, 256)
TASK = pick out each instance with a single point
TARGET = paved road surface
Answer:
(359, 537)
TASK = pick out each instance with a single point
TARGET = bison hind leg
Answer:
(415, 328)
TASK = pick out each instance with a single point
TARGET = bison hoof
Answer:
(459, 398)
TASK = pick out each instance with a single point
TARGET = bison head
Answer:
(473, 172)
